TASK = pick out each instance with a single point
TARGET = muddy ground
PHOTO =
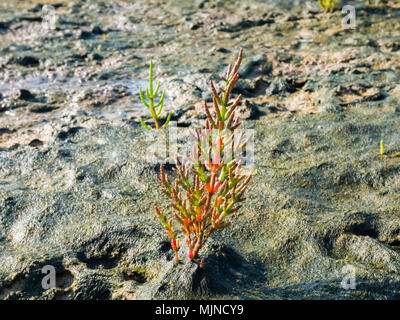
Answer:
(77, 185)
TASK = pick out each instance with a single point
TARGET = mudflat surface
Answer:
(77, 182)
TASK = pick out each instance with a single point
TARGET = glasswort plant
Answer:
(150, 94)
(211, 184)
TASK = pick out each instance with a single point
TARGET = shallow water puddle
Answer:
(76, 88)
(40, 83)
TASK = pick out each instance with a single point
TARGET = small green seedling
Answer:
(328, 5)
(155, 109)
(382, 151)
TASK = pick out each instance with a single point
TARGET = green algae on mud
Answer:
(323, 198)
